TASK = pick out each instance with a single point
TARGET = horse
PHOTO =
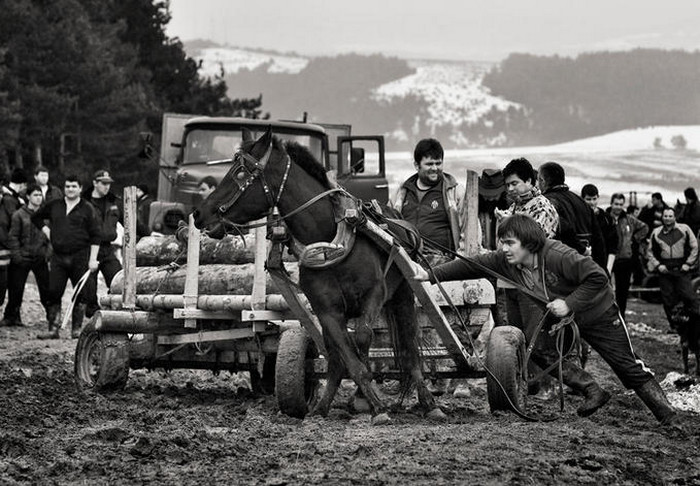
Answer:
(269, 173)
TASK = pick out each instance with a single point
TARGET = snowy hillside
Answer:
(234, 59)
(453, 91)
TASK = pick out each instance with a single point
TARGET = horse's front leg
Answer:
(363, 341)
(334, 326)
(336, 370)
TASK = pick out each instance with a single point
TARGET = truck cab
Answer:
(193, 148)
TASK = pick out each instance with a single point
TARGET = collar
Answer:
(535, 264)
(667, 231)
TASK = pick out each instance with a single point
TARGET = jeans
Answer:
(622, 270)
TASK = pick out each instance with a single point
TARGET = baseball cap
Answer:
(103, 176)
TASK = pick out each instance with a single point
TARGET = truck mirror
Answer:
(146, 143)
(357, 160)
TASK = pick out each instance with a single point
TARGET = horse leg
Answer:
(334, 328)
(363, 341)
(401, 312)
(336, 370)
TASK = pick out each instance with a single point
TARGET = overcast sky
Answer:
(440, 29)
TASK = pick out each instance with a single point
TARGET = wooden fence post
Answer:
(129, 248)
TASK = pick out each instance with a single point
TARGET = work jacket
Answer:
(673, 247)
(27, 242)
(563, 274)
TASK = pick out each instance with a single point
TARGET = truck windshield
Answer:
(205, 145)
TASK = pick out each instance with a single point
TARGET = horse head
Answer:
(243, 195)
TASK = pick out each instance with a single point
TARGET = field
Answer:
(187, 427)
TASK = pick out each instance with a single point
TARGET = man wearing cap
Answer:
(109, 213)
(11, 200)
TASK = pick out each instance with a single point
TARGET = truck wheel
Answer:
(264, 384)
(505, 355)
(101, 361)
(295, 385)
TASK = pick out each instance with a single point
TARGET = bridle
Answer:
(245, 176)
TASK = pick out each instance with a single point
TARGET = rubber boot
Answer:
(52, 315)
(77, 320)
(582, 382)
(655, 399)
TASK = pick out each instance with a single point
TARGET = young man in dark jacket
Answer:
(109, 213)
(571, 283)
(74, 233)
(10, 200)
(30, 251)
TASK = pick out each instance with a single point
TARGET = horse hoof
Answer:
(360, 405)
(437, 415)
(381, 419)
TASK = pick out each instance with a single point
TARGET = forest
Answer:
(81, 79)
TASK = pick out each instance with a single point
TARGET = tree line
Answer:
(80, 79)
(565, 98)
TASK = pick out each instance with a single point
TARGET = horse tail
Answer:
(404, 332)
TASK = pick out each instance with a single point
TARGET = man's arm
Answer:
(463, 270)
(93, 264)
(693, 244)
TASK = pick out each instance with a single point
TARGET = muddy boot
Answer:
(52, 313)
(655, 399)
(582, 382)
(77, 320)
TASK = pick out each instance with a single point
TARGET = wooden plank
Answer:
(205, 302)
(423, 294)
(206, 336)
(129, 248)
(192, 277)
(470, 214)
(205, 314)
(260, 277)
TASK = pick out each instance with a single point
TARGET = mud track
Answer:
(189, 427)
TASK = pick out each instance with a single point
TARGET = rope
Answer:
(74, 298)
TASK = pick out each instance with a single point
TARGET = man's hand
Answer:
(559, 307)
(500, 213)
(93, 265)
(420, 273)
(662, 269)
(47, 231)
(685, 268)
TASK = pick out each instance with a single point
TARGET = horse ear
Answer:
(247, 135)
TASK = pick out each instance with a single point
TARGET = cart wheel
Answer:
(295, 387)
(265, 384)
(505, 357)
(101, 361)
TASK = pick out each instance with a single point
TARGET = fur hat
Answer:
(491, 183)
(18, 176)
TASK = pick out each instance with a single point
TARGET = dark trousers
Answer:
(64, 267)
(607, 335)
(622, 270)
(677, 287)
(17, 279)
(109, 266)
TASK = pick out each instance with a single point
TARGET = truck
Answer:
(194, 147)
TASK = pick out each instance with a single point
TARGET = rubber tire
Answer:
(265, 384)
(295, 390)
(505, 358)
(101, 361)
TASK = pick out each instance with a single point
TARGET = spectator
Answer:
(109, 213)
(143, 211)
(673, 253)
(577, 285)
(652, 213)
(690, 212)
(492, 195)
(638, 249)
(11, 200)
(49, 192)
(74, 231)
(629, 231)
(590, 194)
(30, 251)
(207, 186)
(578, 225)
(431, 199)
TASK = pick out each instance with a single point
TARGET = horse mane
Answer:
(305, 159)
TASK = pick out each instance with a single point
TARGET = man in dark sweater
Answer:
(571, 284)
(72, 226)
(10, 201)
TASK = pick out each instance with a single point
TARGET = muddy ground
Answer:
(189, 427)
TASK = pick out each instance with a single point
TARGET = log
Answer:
(205, 302)
(218, 279)
(165, 249)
